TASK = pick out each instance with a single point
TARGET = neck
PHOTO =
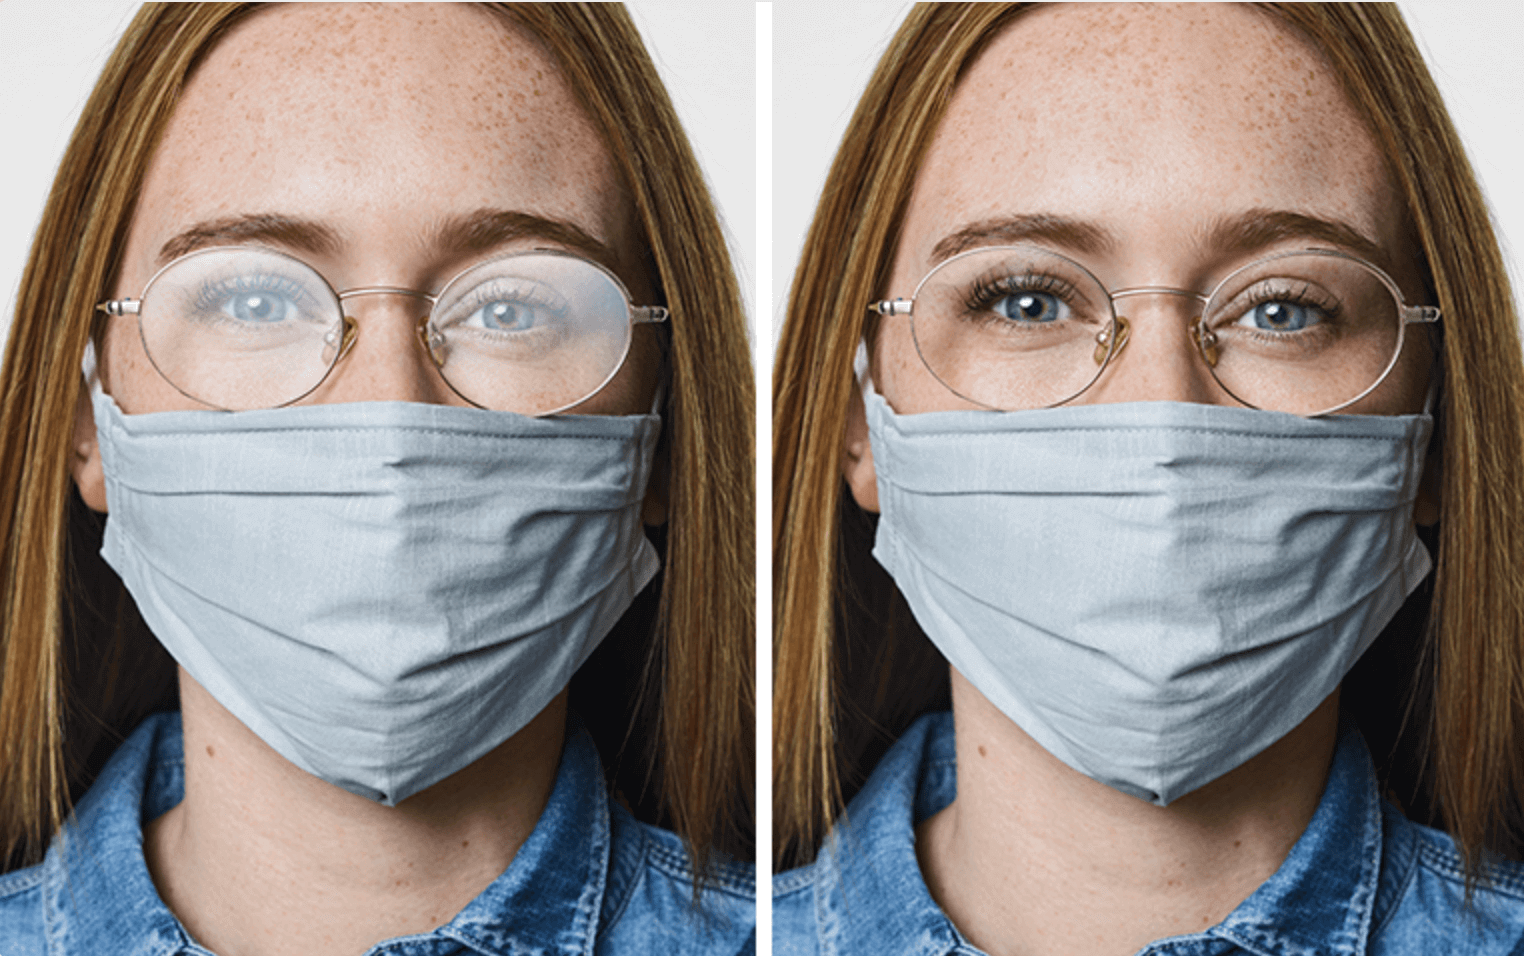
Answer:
(263, 859)
(1034, 857)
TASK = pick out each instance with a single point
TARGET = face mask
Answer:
(1154, 592)
(383, 592)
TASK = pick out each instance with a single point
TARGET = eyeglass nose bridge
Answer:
(1206, 342)
(428, 337)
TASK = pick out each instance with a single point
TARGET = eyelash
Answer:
(213, 294)
(1303, 297)
(986, 291)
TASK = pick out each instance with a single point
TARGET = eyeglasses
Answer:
(245, 327)
(1022, 327)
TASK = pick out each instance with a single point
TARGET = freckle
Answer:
(1237, 844)
(464, 844)
(981, 751)
(209, 751)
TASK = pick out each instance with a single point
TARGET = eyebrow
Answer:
(303, 235)
(1237, 235)
(487, 229)
(472, 232)
(1072, 234)
(1260, 228)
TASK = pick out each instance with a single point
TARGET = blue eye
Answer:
(507, 315)
(262, 307)
(507, 305)
(262, 298)
(1280, 315)
(1030, 306)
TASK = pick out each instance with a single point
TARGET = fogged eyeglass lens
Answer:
(532, 334)
(238, 328)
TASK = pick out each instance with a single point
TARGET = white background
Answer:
(53, 52)
(824, 53)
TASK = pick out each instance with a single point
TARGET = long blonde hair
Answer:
(67, 649)
(1472, 676)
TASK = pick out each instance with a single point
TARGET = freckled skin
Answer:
(379, 121)
(1147, 120)
(1151, 121)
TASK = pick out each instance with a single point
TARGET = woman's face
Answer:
(384, 146)
(1159, 145)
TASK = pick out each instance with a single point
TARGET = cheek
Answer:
(902, 378)
(129, 377)
(633, 388)
(1406, 388)
(895, 365)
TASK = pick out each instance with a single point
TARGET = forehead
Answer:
(1151, 118)
(360, 112)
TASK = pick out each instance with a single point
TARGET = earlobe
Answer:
(857, 456)
(85, 456)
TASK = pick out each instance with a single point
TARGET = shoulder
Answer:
(649, 904)
(21, 912)
(865, 884)
(42, 903)
(1422, 905)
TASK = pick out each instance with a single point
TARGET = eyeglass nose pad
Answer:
(433, 341)
(1206, 341)
(340, 339)
(1104, 349)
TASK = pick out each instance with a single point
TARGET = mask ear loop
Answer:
(663, 373)
(88, 366)
(861, 371)
(1435, 373)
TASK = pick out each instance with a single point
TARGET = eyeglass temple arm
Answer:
(641, 314)
(890, 307)
(119, 307)
(1413, 314)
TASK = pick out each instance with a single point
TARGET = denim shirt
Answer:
(1361, 881)
(590, 880)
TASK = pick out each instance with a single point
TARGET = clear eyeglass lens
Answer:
(1302, 333)
(1019, 327)
(1012, 327)
(244, 328)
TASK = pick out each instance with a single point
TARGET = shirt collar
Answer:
(1321, 898)
(100, 897)
(867, 877)
(871, 892)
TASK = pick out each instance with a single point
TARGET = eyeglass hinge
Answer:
(119, 307)
(890, 307)
(1420, 313)
(649, 313)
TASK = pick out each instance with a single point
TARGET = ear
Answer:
(85, 460)
(857, 456)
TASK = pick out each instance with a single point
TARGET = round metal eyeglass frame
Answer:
(1113, 339)
(429, 337)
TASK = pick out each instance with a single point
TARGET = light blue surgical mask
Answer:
(1155, 592)
(383, 592)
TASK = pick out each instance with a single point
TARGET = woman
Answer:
(382, 306)
(1202, 258)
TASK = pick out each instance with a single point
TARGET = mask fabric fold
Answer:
(383, 592)
(1155, 592)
